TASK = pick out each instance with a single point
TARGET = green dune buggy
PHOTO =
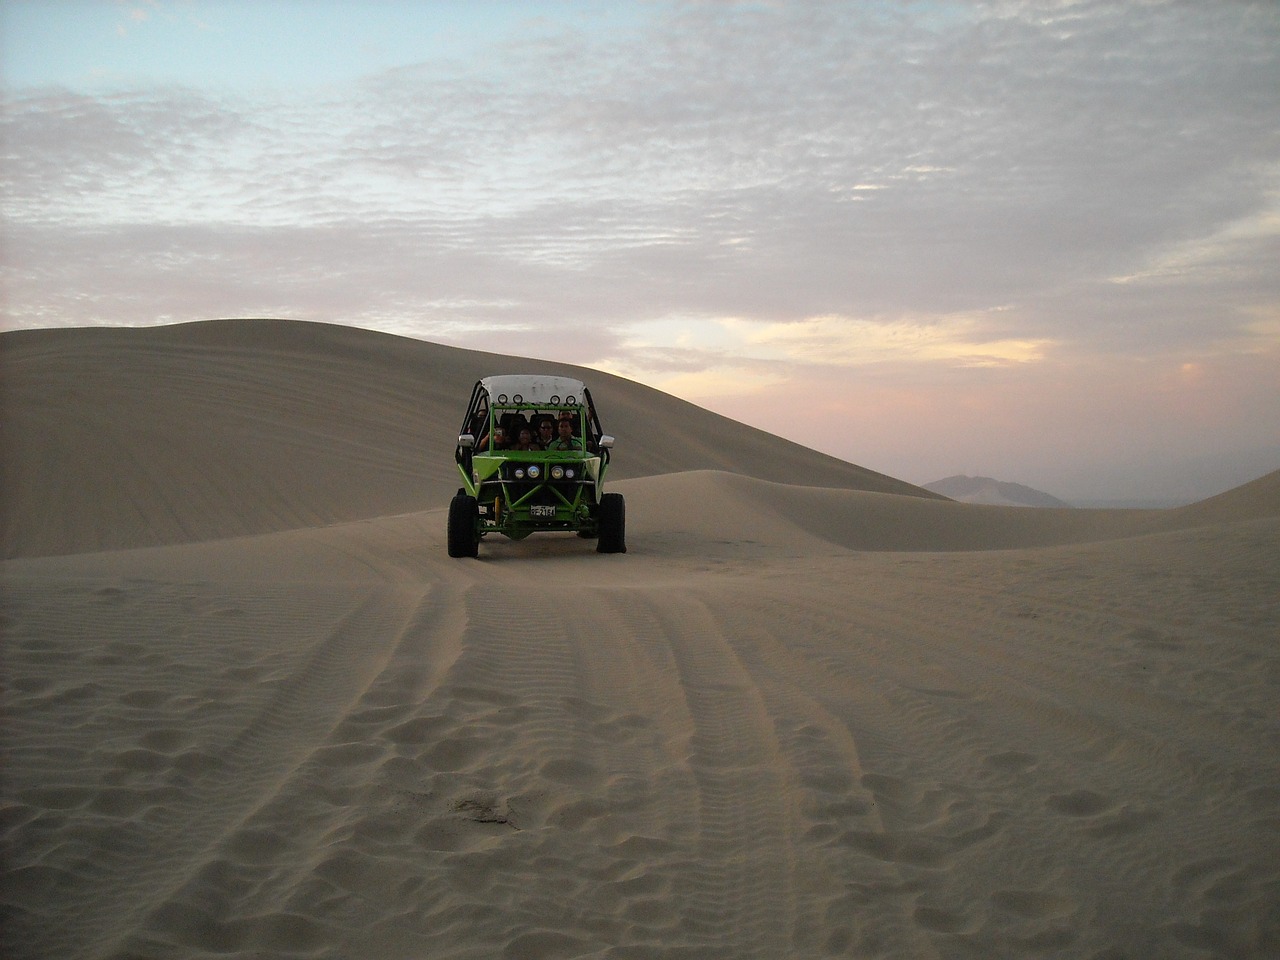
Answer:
(533, 459)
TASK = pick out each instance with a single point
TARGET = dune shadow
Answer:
(545, 546)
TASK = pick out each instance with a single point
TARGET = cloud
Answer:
(851, 342)
(702, 193)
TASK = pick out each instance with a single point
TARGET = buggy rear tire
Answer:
(464, 516)
(612, 523)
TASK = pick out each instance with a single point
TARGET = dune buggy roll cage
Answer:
(488, 410)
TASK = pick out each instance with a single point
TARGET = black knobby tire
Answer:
(612, 521)
(464, 540)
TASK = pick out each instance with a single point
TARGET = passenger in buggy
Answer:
(499, 440)
(566, 440)
(525, 441)
(546, 433)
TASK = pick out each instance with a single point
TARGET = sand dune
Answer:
(792, 721)
(136, 437)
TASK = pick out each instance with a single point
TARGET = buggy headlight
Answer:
(568, 472)
(519, 473)
(535, 471)
(557, 472)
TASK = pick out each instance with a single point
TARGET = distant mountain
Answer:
(991, 491)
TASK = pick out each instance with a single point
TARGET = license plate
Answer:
(542, 512)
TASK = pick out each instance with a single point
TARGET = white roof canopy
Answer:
(533, 389)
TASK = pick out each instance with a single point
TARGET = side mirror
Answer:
(466, 441)
(606, 442)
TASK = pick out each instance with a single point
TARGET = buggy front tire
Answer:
(612, 522)
(464, 516)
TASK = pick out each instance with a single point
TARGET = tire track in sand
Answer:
(115, 892)
(841, 870)
(258, 886)
(738, 896)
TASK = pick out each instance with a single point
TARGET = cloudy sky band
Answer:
(680, 191)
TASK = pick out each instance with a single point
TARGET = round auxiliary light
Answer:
(519, 473)
(517, 399)
(571, 399)
(502, 398)
(557, 472)
(568, 472)
(555, 401)
(534, 471)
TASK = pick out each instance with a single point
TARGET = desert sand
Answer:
(252, 709)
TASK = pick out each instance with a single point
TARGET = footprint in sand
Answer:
(939, 920)
(1032, 904)
(1125, 820)
(1108, 819)
(1080, 803)
(1011, 761)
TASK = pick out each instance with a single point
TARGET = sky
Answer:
(1038, 241)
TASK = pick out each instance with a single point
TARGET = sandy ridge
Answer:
(137, 437)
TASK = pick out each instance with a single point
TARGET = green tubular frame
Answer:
(512, 519)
